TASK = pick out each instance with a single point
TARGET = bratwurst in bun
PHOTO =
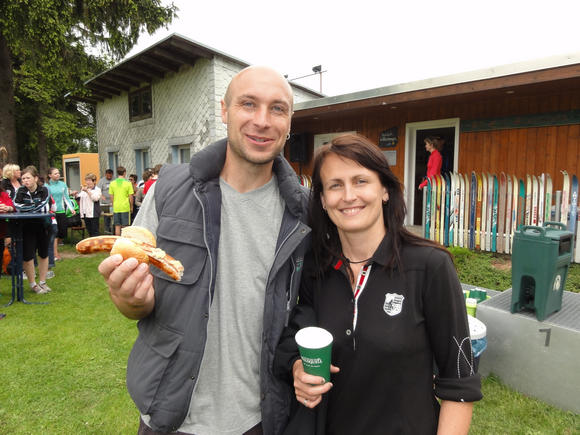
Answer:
(134, 242)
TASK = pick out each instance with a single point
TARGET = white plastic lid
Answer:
(477, 328)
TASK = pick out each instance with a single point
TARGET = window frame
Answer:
(142, 114)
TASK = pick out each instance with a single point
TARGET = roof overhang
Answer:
(497, 80)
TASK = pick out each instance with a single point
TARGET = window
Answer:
(141, 161)
(140, 106)
(114, 161)
(181, 153)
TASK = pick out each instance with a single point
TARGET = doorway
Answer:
(416, 157)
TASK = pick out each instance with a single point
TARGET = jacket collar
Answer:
(207, 164)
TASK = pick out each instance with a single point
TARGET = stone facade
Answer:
(186, 113)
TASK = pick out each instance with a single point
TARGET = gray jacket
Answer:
(166, 358)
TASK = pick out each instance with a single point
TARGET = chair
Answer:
(79, 229)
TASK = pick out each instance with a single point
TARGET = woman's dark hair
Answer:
(325, 239)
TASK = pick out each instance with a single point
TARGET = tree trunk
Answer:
(41, 146)
(7, 105)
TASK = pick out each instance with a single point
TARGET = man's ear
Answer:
(224, 112)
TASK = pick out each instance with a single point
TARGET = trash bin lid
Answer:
(477, 328)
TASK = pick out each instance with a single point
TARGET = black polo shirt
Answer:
(405, 321)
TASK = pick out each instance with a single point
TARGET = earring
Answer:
(385, 201)
(288, 136)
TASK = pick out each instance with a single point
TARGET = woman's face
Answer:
(16, 174)
(54, 175)
(90, 183)
(29, 181)
(429, 146)
(352, 195)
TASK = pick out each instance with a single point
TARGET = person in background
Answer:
(235, 217)
(6, 206)
(33, 198)
(435, 161)
(11, 179)
(89, 205)
(391, 300)
(152, 179)
(106, 203)
(139, 195)
(121, 192)
(59, 191)
(133, 179)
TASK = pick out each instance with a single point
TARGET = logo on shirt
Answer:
(393, 303)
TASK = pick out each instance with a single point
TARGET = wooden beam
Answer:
(103, 88)
(163, 64)
(174, 56)
(136, 76)
(189, 48)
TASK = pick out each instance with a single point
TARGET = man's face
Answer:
(257, 113)
(109, 175)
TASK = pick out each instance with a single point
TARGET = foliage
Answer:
(53, 46)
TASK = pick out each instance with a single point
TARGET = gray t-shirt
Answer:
(226, 399)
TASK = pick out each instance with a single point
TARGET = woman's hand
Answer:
(308, 388)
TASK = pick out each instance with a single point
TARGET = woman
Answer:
(6, 206)
(133, 179)
(391, 300)
(432, 145)
(89, 206)
(11, 179)
(33, 198)
(59, 191)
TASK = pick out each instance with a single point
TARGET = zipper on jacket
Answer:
(289, 292)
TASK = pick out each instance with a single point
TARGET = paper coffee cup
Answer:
(315, 345)
(471, 305)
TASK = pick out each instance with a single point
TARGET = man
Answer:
(103, 184)
(121, 191)
(234, 216)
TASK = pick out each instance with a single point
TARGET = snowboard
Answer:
(428, 208)
(472, 209)
(461, 210)
(494, 215)
(508, 215)
(515, 188)
(438, 206)
(483, 211)
(466, 211)
(478, 207)
(501, 213)
(521, 205)
(442, 215)
(548, 201)
(541, 199)
(489, 210)
(534, 218)
(573, 205)
(447, 209)
(528, 219)
(565, 198)
(433, 208)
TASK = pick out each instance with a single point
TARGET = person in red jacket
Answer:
(432, 145)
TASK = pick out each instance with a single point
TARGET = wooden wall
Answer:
(519, 151)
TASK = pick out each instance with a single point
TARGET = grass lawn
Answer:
(63, 364)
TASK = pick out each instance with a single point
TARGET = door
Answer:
(446, 131)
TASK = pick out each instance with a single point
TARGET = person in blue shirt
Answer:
(59, 191)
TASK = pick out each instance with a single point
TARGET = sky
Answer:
(366, 44)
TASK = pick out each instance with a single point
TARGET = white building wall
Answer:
(186, 110)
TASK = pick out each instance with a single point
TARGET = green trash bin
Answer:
(541, 258)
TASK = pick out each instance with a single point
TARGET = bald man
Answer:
(235, 217)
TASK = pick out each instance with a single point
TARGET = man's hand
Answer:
(130, 286)
(308, 388)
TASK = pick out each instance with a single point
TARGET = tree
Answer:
(46, 50)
